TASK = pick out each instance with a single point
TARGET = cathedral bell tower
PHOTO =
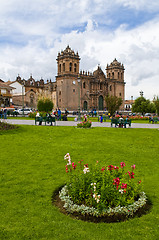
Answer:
(115, 76)
(67, 74)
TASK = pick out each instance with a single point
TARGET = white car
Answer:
(26, 111)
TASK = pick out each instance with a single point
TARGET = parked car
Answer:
(147, 114)
(26, 111)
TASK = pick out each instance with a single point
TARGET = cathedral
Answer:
(81, 89)
(72, 89)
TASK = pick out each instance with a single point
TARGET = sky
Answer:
(32, 32)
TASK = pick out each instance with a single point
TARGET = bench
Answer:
(114, 121)
(127, 122)
(46, 120)
(153, 120)
(120, 122)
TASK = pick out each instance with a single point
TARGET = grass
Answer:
(32, 167)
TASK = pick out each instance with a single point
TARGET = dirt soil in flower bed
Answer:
(5, 126)
(107, 219)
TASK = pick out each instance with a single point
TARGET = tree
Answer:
(156, 102)
(143, 105)
(45, 104)
(113, 103)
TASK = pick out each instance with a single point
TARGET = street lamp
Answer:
(23, 97)
(141, 93)
(88, 101)
(79, 110)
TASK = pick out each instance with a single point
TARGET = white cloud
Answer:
(32, 33)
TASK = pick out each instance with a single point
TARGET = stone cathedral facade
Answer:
(83, 89)
(72, 88)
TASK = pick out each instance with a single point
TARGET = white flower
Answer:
(68, 158)
(85, 170)
(121, 191)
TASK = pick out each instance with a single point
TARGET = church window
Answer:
(73, 90)
(109, 75)
(112, 75)
(120, 94)
(60, 68)
(70, 67)
(121, 76)
(31, 82)
(100, 86)
(118, 75)
(64, 67)
(110, 88)
(75, 67)
(84, 85)
(59, 92)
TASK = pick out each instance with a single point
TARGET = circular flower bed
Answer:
(128, 210)
(109, 193)
(85, 123)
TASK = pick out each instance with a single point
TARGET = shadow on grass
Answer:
(56, 201)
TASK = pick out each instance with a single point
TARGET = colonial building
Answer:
(86, 90)
(26, 92)
(72, 88)
(5, 94)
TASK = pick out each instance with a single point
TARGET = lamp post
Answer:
(79, 110)
(88, 101)
(23, 97)
(141, 93)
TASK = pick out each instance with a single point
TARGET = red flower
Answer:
(124, 185)
(110, 167)
(139, 182)
(116, 182)
(131, 174)
(74, 166)
(116, 168)
(122, 164)
(103, 169)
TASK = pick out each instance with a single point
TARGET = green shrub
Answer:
(45, 105)
(32, 114)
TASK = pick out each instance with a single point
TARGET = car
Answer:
(132, 114)
(147, 114)
(26, 111)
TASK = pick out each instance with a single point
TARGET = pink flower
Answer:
(133, 166)
(122, 164)
(116, 168)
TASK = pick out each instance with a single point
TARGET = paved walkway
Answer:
(72, 123)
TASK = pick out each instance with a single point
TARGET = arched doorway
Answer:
(85, 105)
(100, 102)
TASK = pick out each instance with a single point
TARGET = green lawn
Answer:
(32, 167)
